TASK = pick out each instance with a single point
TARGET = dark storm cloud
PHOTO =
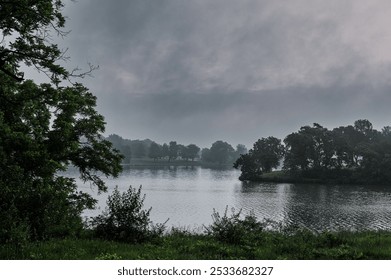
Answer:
(209, 117)
(198, 71)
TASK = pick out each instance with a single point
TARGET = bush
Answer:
(125, 219)
(234, 230)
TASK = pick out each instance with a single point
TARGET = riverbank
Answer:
(331, 177)
(178, 245)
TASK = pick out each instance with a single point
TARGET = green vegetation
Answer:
(356, 154)
(147, 152)
(286, 243)
(44, 129)
(124, 231)
(125, 219)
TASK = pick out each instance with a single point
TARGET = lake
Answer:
(188, 195)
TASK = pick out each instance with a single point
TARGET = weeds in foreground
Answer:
(125, 231)
(125, 219)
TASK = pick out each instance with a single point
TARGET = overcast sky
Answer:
(234, 70)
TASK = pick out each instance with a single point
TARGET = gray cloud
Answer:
(198, 71)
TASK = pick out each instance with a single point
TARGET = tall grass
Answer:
(228, 237)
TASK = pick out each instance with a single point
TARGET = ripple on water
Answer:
(188, 197)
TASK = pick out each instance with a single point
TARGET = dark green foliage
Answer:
(35, 144)
(351, 154)
(165, 150)
(221, 152)
(173, 150)
(229, 237)
(265, 155)
(205, 155)
(27, 25)
(190, 152)
(155, 151)
(249, 168)
(43, 130)
(125, 219)
(310, 148)
(122, 145)
(234, 230)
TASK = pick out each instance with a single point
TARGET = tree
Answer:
(165, 151)
(182, 151)
(309, 148)
(44, 129)
(364, 127)
(205, 155)
(26, 27)
(247, 165)
(296, 152)
(221, 152)
(192, 151)
(267, 153)
(346, 141)
(189, 152)
(155, 151)
(173, 151)
(122, 145)
(386, 132)
(138, 149)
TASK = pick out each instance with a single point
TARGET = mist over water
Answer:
(188, 196)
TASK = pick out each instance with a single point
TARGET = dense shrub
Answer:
(125, 219)
(233, 229)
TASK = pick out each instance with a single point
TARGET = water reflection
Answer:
(320, 207)
(188, 195)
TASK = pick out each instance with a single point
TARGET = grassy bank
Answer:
(182, 245)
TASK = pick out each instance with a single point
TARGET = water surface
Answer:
(188, 195)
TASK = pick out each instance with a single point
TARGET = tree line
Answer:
(220, 152)
(355, 153)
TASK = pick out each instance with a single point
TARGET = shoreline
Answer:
(281, 177)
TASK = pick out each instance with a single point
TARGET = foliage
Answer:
(347, 154)
(232, 229)
(125, 219)
(165, 150)
(221, 152)
(25, 26)
(108, 256)
(265, 240)
(122, 145)
(155, 151)
(265, 155)
(173, 150)
(310, 148)
(248, 167)
(190, 152)
(44, 129)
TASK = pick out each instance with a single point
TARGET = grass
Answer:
(178, 245)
